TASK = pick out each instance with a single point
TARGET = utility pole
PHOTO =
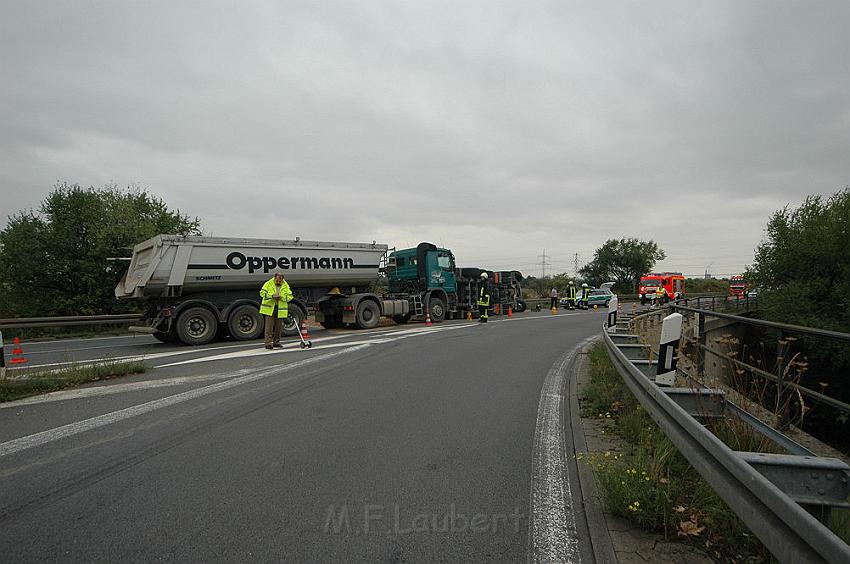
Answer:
(575, 265)
(543, 263)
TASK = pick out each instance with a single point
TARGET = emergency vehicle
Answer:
(673, 282)
(737, 285)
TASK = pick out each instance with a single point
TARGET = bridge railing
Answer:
(785, 500)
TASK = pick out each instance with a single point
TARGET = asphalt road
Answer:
(404, 444)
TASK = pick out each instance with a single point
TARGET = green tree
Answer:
(622, 261)
(802, 269)
(54, 261)
(803, 265)
(707, 286)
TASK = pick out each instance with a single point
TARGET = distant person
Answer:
(661, 295)
(585, 296)
(276, 296)
(571, 295)
(483, 298)
(553, 297)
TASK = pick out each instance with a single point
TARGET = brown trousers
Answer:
(273, 325)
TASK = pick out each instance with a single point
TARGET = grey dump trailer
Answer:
(200, 287)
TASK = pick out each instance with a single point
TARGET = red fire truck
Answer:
(673, 282)
(737, 285)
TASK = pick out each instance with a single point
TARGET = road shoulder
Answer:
(614, 539)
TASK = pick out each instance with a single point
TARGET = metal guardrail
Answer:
(790, 532)
(780, 378)
(70, 321)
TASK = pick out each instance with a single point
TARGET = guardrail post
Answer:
(2, 358)
(781, 386)
(613, 303)
(668, 348)
(701, 348)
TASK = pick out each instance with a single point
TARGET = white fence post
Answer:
(612, 312)
(671, 334)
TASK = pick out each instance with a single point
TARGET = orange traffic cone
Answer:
(510, 311)
(18, 353)
(304, 334)
(469, 315)
(428, 319)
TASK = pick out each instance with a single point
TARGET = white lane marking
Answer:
(113, 388)
(36, 439)
(194, 350)
(253, 345)
(552, 530)
(264, 352)
(108, 389)
(390, 337)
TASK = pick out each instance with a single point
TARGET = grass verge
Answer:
(650, 483)
(35, 383)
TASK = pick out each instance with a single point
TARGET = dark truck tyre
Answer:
(197, 326)
(245, 323)
(401, 319)
(332, 322)
(368, 314)
(437, 309)
(166, 337)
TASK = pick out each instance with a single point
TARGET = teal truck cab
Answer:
(425, 276)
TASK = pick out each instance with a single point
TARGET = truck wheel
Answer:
(166, 337)
(368, 314)
(245, 323)
(332, 322)
(438, 310)
(292, 324)
(401, 319)
(196, 326)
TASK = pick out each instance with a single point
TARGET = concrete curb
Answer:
(597, 528)
(614, 539)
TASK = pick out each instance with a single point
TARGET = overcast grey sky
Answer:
(495, 128)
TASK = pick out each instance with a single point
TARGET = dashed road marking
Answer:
(51, 435)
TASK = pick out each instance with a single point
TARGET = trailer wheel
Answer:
(334, 322)
(368, 314)
(292, 324)
(437, 308)
(245, 323)
(166, 337)
(196, 326)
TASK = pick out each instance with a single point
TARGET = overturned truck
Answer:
(197, 288)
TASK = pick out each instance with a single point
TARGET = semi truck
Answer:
(197, 288)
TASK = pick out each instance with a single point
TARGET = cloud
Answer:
(496, 128)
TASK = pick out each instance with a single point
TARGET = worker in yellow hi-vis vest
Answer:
(571, 295)
(483, 298)
(276, 296)
(585, 296)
